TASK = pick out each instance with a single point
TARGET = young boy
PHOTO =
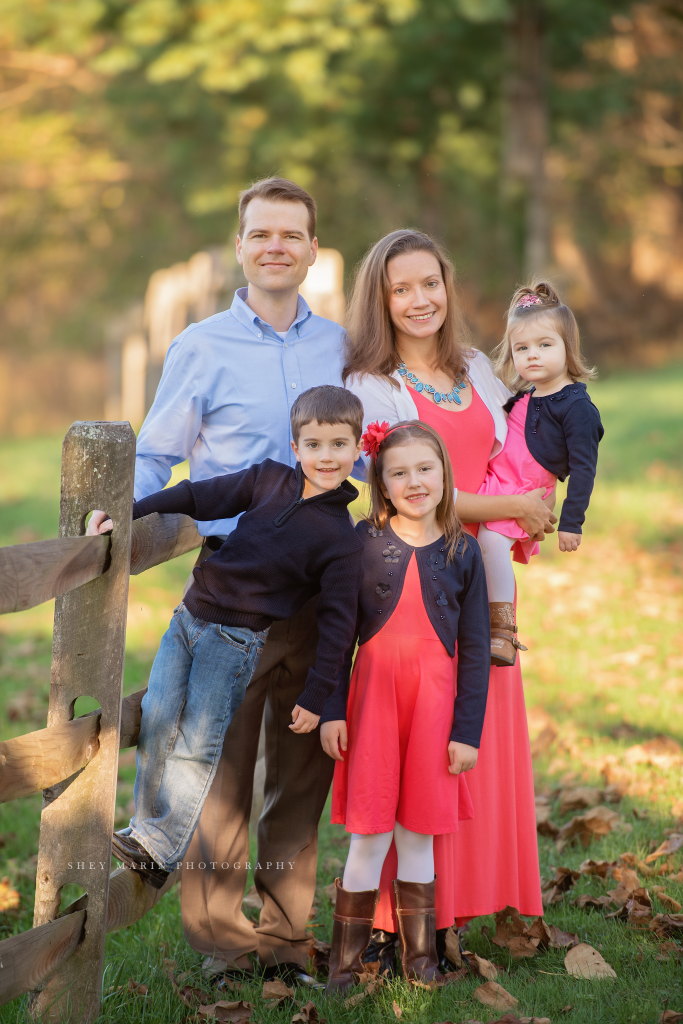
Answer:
(295, 539)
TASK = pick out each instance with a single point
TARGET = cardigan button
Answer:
(443, 616)
(434, 577)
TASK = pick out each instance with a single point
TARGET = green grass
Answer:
(605, 662)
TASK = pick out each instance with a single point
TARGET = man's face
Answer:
(276, 250)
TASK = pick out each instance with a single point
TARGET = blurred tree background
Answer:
(526, 134)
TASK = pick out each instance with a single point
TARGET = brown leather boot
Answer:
(504, 642)
(416, 916)
(354, 916)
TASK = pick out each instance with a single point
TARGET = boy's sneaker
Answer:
(134, 856)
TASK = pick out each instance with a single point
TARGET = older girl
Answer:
(409, 358)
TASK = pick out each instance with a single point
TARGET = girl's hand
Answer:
(462, 757)
(99, 523)
(303, 720)
(334, 738)
(536, 518)
(569, 541)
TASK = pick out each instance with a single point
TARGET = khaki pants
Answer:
(298, 778)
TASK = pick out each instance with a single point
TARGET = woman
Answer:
(407, 358)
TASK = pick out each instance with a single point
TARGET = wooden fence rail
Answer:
(74, 761)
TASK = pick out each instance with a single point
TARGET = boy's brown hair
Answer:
(403, 434)
(278, 190)
(327, 404)
(563, 321)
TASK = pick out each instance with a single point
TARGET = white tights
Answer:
(366, 856)
(500, 576)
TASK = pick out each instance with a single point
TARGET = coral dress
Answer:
(515, 471)
(400, 716)
(492, 861)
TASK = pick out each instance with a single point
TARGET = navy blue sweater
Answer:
(283, 551)
(562, 432)
(456, 601)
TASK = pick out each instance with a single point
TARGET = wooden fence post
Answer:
(98, 466)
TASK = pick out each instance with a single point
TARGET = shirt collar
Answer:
(248, 318)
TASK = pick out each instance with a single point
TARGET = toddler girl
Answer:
(553, 433)
(423, 591)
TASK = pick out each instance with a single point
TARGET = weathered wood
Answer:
(129, 898)
(29, 958)
(33, 573)
(41, 759)
(161, 536)
(77, 822)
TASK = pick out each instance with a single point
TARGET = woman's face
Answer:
(417, 294)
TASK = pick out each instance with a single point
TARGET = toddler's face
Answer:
(412, 479)
(538, 351)
(327, 452)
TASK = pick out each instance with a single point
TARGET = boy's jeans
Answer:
(197, 683)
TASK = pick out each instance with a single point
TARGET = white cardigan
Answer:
(381, 401)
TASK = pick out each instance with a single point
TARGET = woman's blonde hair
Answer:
(565, 324)
(370, 345)
(402, 435)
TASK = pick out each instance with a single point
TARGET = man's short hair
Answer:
(327, 404)
(278, 190)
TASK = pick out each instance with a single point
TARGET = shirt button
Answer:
(285, 344)
(293, 385)
(260, 334)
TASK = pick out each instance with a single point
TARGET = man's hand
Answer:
(302, 720)
(462, 757)
(334, 738)
(99, 523)
(569, 541)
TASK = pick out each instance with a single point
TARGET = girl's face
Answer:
(417, 294)
(538, 351)
(412, 479)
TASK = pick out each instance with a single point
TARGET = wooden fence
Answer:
(75, 761)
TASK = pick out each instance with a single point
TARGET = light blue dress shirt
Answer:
(225, 395)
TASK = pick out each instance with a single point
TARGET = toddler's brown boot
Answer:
(504, 642)
(416, 916)
(354, 916)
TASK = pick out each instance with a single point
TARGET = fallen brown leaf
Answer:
(579, 798)
(484, 968)
(136, 987)
(562, 940)
(599, 821)
(553, 889)
(522, 945)
(9, 897)
(331, 892)
(665, 925)
(583, 961)
(308, 1014)
(276, 989)
(354, 1000)
(670, 845)
(670, 1017)
(592, 901)
(494, 995)
(548, 829)
(398, 1012)
(453, 977)
(453, 947)
(232, 1013)
(667, 900)
(662, 752)
(567, 1009)
(601, 868)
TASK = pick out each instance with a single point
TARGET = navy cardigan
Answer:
(456, 601)
(283, 551)
(562, 432)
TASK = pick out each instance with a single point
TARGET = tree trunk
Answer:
(525, 125)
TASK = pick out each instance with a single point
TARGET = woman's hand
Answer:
(569, 541)
(334, 738)
(462, 757)
(99, 523)
(536, 518)
(303, 720)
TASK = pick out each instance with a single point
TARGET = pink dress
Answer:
(515, 471)
(400, 714)
(492, 860)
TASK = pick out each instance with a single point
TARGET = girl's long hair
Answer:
(370, 343)
(564, 323)
(406, 433)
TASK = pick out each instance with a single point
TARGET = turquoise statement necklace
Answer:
(439, 396)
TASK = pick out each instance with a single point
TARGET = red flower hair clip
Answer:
(373, 437)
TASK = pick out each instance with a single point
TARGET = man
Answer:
(223, 403)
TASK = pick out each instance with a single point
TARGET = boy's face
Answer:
(327, 452)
